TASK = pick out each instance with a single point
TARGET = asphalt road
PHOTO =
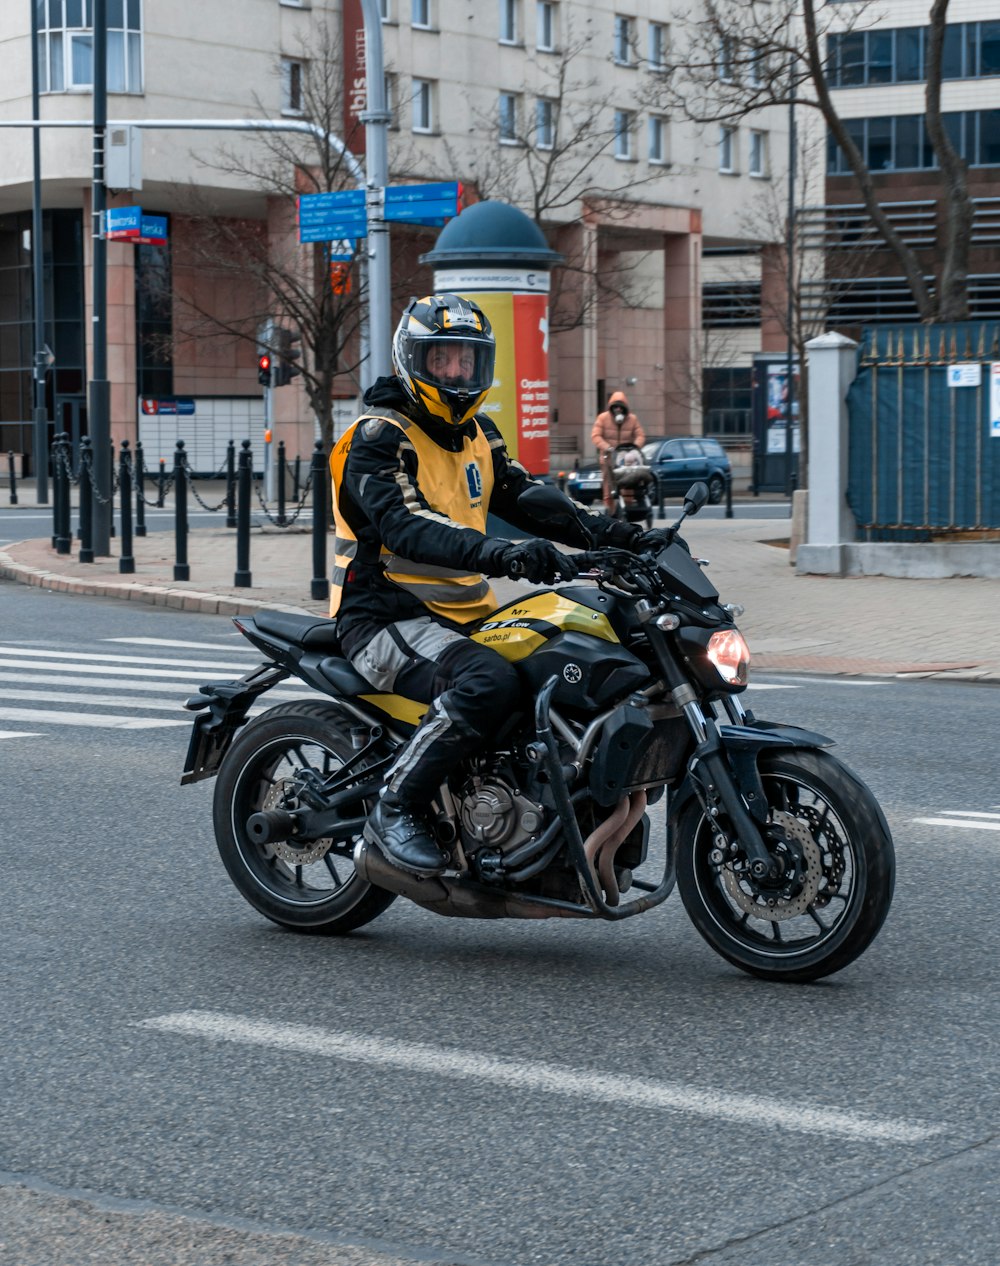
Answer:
(182, 1082)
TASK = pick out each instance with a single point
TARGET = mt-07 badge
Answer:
(573, 673)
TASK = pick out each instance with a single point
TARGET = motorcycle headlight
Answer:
(730, 655)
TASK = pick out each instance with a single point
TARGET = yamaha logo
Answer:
(573, 673)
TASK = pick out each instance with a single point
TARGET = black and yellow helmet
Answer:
(443, 353)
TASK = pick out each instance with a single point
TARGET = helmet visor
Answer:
(453, 364)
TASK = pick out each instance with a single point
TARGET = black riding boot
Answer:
(404, 835)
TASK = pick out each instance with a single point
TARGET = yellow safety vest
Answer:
(456, 485)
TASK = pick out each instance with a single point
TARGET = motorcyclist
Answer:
(413, 481)
(616, 425)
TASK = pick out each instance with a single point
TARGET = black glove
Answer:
(537, 561)
(615, 532)
(658, 539)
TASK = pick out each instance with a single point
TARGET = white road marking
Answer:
(830, 681)
(60, 675)
(441, 1062)
(187, 675)
(85, 718)
(109, 660)
(90, 701)
(18, 734)
(191, 646)
(968, 813)
(960, 823)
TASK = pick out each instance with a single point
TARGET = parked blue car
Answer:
(677, 461)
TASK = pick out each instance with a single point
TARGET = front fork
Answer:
(725, 779)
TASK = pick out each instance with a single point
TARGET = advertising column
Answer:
(495, 255)
(517, 305)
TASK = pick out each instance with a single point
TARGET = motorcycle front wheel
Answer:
(307, 887)
(836, 892)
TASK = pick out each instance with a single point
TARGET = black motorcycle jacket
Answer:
(393, 513)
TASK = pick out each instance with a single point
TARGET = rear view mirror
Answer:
(549, 505)
(695, 497)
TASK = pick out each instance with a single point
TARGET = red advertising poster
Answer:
(355, 85)
(531, 356)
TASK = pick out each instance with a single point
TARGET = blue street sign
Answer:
(122, 222)
(432, 203)
(324, 217)
(342, 251)
(152, 230)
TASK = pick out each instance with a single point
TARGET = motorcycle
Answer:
(782, 857)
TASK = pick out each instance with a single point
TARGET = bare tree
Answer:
(277, 278)
(554, 166)
(743, 55)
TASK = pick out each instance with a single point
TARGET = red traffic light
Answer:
(264, 362)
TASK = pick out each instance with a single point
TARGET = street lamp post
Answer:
(99, 410)
(39, 415)
(790, 252)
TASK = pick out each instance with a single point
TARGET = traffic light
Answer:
(264, 369)
(285, 356)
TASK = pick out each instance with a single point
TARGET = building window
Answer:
(657, 46)
(545, 130)
(509, 33)
(510, 111)
(624, 122)
(66, 45)
(901, 143)
(420, 14)
(423, 105)
(726, 59)
(858, 59)
(385, 10)
(726, 402)
(727, 149)
(292, 76)
(545, 35)
(623, 40)
(657, 140)
(758, 153)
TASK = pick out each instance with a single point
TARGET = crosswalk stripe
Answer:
(218, 665)
(18, 734)
(62, 677)
(86, 718)
(192, 675)
(236, 649)
(968, 813)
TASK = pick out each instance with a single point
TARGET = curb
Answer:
(153, 595)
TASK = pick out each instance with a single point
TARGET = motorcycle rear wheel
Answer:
(843, 897)
(322, 895)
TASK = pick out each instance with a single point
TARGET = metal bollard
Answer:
(161, 492)
(242, 579)
(320, 587)
(61, 511)
(282, 472)
(13, 481)
(231, 484)
(181, 569)
(660, 512)
(111, 491)
(729, 495)
(297, 477)
(140, 496)
(126, 562)
(86, 554)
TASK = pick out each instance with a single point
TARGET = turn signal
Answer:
(731, 656)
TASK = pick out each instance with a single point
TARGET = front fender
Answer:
(742, 744)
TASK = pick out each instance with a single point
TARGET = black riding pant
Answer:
(471, 688)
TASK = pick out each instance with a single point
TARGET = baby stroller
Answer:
(633, 483)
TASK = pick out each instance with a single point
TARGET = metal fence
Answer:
(924, 459)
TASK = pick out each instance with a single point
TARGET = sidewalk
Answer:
(862, 626)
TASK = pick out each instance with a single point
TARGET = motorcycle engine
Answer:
(494, 815)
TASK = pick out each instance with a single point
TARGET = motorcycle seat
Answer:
(341, 674)
(316, 633)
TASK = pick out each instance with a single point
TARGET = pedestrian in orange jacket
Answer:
(616, 425)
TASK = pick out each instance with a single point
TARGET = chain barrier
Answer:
(87, 461)
(168, 483)
(289, 518)
(219, 474)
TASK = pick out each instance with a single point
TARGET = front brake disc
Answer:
(758, 904)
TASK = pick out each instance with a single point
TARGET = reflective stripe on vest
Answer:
(456, 486)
